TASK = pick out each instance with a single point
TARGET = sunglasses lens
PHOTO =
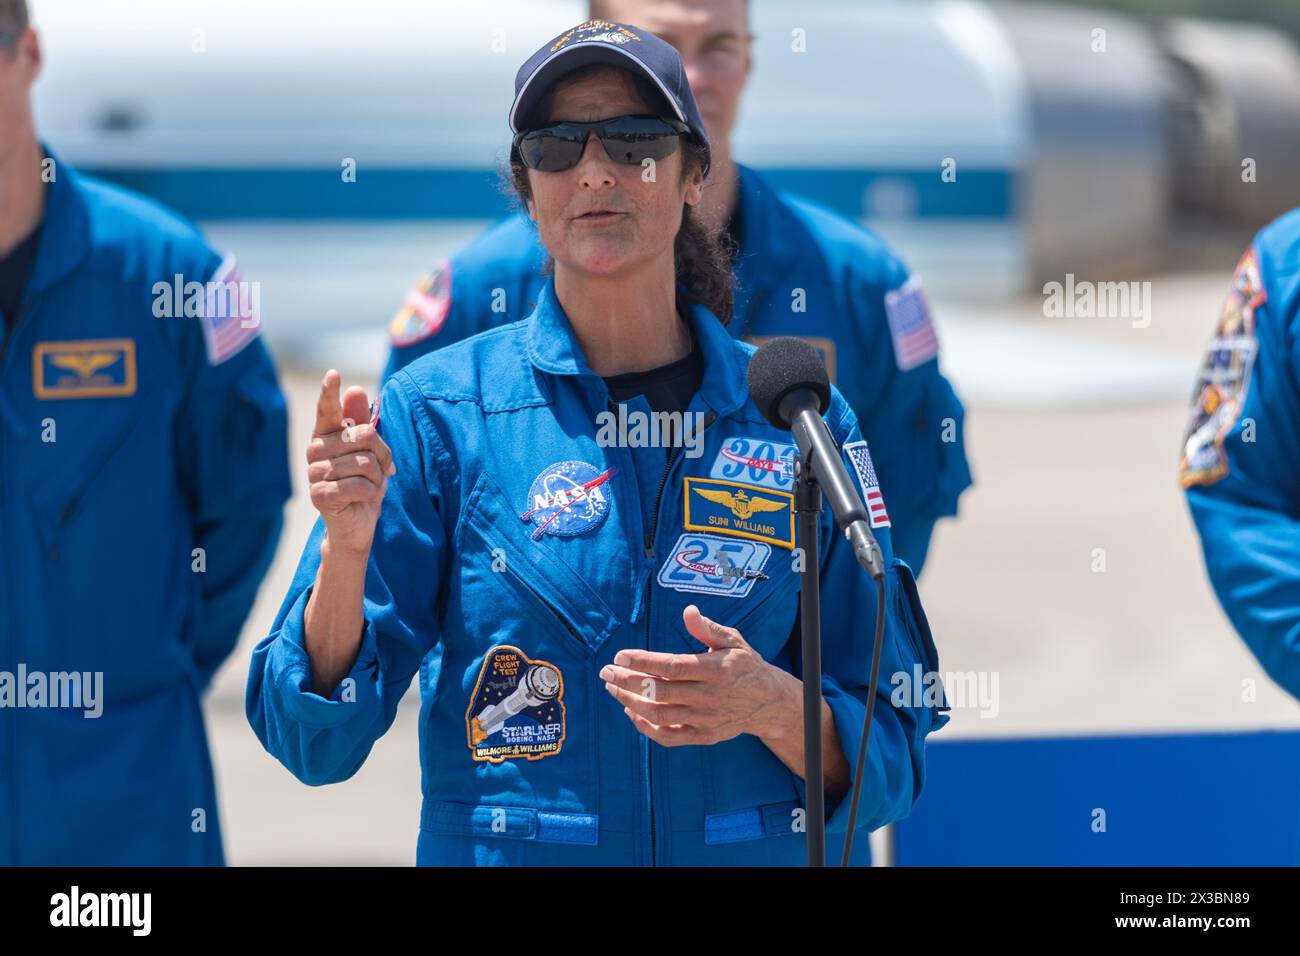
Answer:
(551, 150)
(627, 139)
(634, 139)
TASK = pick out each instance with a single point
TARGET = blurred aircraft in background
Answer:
(1073, 150)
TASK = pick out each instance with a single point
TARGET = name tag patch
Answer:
(87, 368)
(745, 511)
(708, 564)
(517, 708)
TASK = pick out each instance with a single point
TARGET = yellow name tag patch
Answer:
(88, 368)
(746, 511)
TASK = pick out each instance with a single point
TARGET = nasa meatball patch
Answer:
(1225, 376)
(517, 708)
(568, 498)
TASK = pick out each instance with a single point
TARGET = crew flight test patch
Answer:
(516, 709)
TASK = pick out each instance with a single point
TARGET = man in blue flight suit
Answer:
(800, 270)
(143, 469)
(1241, 452)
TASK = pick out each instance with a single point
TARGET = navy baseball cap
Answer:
(617, 44)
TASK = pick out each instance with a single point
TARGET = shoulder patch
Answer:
(230, 315)
(425, 308)
(860, 458)
(1224, 378)
(911, 325)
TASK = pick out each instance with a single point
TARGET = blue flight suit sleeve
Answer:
(325, 740)
(1241, 458)
(895, 770)
(233, 459)
(911, 417)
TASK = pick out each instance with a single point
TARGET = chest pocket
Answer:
(106, 519)
(91, 445)
(515, 587)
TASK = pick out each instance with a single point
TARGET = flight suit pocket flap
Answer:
(515, 823)
(753, 823)
(489, 519)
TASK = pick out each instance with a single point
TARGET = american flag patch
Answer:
(871, 496)
(910, 325)
(230, 319)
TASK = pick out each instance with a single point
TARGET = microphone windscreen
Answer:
(781, 366)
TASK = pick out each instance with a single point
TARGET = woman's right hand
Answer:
(348, 466)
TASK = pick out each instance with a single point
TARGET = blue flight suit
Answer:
(1241, 452)
(124, 450)
(521, 545)
(802, 270)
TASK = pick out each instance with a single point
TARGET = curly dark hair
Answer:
(701, 257)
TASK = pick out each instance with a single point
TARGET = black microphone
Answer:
(788, 383)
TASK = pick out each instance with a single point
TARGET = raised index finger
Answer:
(329, 406)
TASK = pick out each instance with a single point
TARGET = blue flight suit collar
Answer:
(63, 246)
(65, 233)
(552, 347)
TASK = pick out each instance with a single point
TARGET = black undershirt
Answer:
(14, 270)
(668, 388)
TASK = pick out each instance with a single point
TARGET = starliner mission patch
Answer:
(517, 708)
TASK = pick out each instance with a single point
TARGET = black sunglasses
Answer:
(630, 140)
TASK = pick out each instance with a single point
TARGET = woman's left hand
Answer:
(726, 691)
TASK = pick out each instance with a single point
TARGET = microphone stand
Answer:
(808, 508)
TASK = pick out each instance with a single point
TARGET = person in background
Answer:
(1241, 452)
(143, 470)
(800, 269)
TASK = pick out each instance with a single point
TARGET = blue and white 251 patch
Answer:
(568, 498)
(709, 564)
(764, 463)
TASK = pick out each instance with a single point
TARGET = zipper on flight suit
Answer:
(649, 543)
